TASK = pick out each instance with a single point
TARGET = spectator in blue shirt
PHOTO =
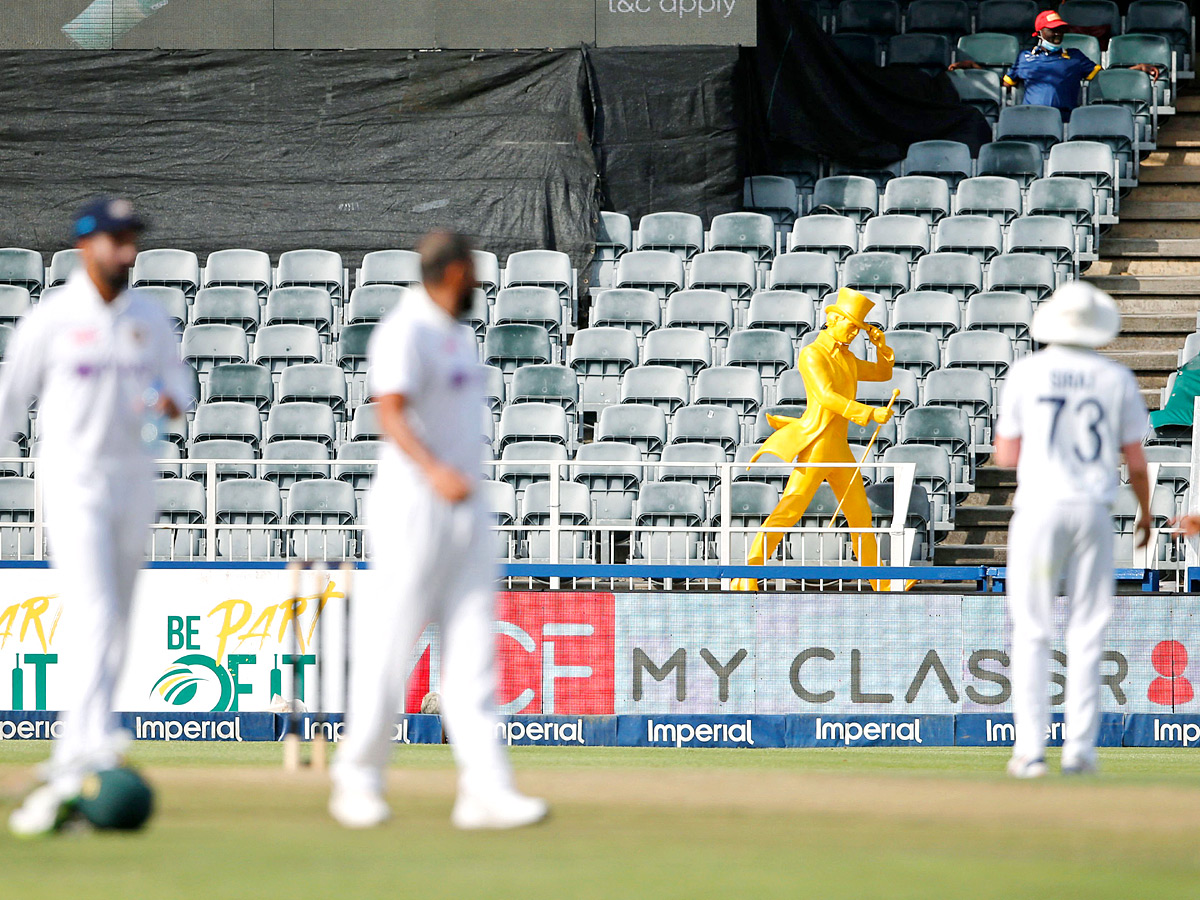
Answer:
(1051, 75)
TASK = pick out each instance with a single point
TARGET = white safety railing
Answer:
(551, 536)
(1165, 552)
(714, 533)
(719, 535)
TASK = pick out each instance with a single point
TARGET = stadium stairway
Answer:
(1150, 263)
(981, 522)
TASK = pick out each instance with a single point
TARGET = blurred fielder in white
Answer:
(1066, 415)
(431, 542)
(101, 359)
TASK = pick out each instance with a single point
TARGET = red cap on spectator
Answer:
(1048, 19)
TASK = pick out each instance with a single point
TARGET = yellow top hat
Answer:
(853, 305)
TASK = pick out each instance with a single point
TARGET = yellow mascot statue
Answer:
(831, 373)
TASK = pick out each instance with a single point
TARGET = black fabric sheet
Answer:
(809, 96)
(666, 133)
(346, 151)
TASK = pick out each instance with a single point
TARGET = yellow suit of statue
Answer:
(831, 373)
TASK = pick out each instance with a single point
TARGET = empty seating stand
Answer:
(656, 366)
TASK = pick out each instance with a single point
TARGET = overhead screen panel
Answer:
(363, 24)
(354, 24)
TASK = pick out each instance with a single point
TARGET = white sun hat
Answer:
(1077, 314)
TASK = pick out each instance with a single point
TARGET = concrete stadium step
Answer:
(971, 536)
(997, 497)
(1170, 323)
(1172, 172)
(1122, 281)
(1157, 209)
(1179, 139)
(1146, 361)
(1150, 267)
(968, 517)
(1150, 342)
(991, 478)
(981, 521)
(1151, 228)
(1168, 307)
(1151, 247)
(1152, 381)
(970, 554)
(1159, 191)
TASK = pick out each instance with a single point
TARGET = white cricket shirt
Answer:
(90, 364)
(421, 352)
(1073, 410)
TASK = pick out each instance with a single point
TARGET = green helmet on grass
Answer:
(116, 799)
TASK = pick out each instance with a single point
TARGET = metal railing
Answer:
(551, 539)
(713, 535)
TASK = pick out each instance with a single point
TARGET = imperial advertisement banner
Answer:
(213, 640)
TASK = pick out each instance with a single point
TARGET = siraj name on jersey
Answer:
(1066, 379)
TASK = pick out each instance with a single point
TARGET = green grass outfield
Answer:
(628, 823)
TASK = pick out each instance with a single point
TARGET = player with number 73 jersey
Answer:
(1067, 415)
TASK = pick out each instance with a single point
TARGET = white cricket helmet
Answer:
(1077, 314)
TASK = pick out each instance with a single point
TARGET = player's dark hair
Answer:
(439, 250)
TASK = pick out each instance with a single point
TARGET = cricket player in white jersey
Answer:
(432, 546)
(1066, 416)
(103, 362)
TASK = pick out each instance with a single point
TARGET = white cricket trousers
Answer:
(97, 522)
(1051, 546)
(433, 563)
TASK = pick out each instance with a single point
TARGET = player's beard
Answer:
(463, 303)
(117, 278)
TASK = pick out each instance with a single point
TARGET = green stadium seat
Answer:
(241, 382)
(325, 503)
(391, 268)
(836, 236)
(907, 236)
(663, 386)
(250, 510)
(280, 346)
(220, 449)
(227, 305)
(600, 356)
(239, 268)
(298, 305)
(312, 268)
(227, 420)
(290, 461)
(679, 233)
(207, 346)
(947, 160)
(163, 268)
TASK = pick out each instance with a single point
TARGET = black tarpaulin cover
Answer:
(346, 151)
(812, 97)
(666, 131)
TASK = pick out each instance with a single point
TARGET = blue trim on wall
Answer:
(632, 570)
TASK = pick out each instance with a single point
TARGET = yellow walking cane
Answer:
(857, 469)
(866, 453)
